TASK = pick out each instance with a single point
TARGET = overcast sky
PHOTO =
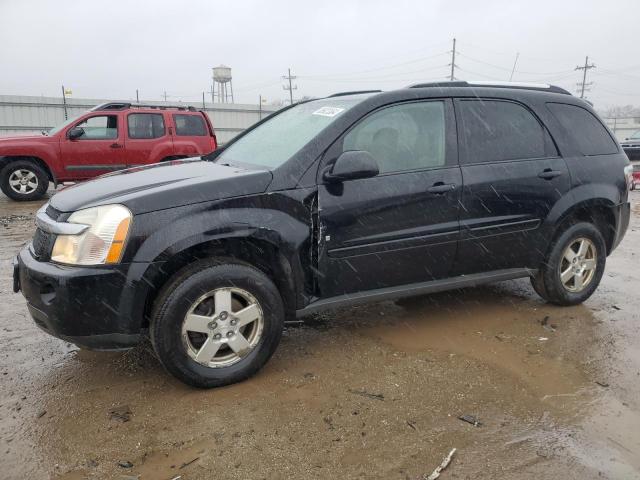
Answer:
(108, 48)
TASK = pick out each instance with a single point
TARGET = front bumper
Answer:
(89, 306)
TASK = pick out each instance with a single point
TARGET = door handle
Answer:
(548, 174)
(115, 145)
(440, 187)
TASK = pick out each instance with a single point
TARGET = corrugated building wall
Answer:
(28, 115)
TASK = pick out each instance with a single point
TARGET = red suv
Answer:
(108, 137)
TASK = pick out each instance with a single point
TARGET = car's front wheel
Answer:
(574, 266)
(216, 323)
(23, 180)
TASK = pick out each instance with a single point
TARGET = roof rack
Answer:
(126, 105)
(355, 92)
(542, 87)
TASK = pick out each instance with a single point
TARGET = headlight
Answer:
(103, 242)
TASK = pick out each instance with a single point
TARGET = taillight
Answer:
(628, 176)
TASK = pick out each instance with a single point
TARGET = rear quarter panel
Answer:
(190, 146)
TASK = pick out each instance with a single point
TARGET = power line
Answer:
(290, 87)
(507, 69)
(583, 85)
(372, 77)
(370, 70)
(478, 74)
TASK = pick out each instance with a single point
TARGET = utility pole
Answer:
(453, 61)
(203, 104)
(137, 97)
(583, 86)
(165, 95)
(290, 87)
(513, 70)
(260, 107)
(64, 103)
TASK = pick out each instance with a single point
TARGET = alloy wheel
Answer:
(23, 181)
(578, 265)
(222, 327)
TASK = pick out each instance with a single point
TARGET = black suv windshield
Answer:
(279, 138)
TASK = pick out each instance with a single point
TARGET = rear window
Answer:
(190, 125)
(589, 134)
(145, 125)
(496, 130)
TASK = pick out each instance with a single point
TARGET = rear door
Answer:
(99, 150)
(401, 226)
(191, 134)
(512, 177)
(147, 138)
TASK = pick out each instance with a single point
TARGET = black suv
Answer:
(357, 197)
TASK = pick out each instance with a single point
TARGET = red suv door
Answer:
(99, 149)
(147, 138)
(192, 135)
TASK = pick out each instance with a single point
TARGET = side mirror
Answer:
(75, 133)
(352, 165)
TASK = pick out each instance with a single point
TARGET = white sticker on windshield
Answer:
(328, 111)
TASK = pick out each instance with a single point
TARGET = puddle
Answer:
(367, 392)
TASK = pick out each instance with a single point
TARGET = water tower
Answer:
(222, 88)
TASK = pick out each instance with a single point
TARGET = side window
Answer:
(190, 125)
(402, 137)
(495, 130)
(102, 127)
(585, 129)
(145, 125)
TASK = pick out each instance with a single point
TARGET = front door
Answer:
(401, 226)
(513, 176)
(100, 149)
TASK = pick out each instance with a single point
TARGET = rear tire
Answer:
(573, 269)
(24, 180)
(199, 331)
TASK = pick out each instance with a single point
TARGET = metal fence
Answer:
(28, 115)
(623, 127)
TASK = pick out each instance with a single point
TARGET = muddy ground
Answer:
(368, 392)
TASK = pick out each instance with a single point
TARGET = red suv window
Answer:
(145, 125)
(190, 125)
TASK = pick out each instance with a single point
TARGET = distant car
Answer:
(358, 197)
(631, 146)
(109, 137)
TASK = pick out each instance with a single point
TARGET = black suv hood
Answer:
(163, 185)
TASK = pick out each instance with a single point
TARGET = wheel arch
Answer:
(7, 159)
(255, 252)
(597, 211)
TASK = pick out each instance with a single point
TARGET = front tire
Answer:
(574, 267)
(24, 180)
(216, 323)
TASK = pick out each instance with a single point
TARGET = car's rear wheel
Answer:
(574, 266)
(217, 323)
(23, 180)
